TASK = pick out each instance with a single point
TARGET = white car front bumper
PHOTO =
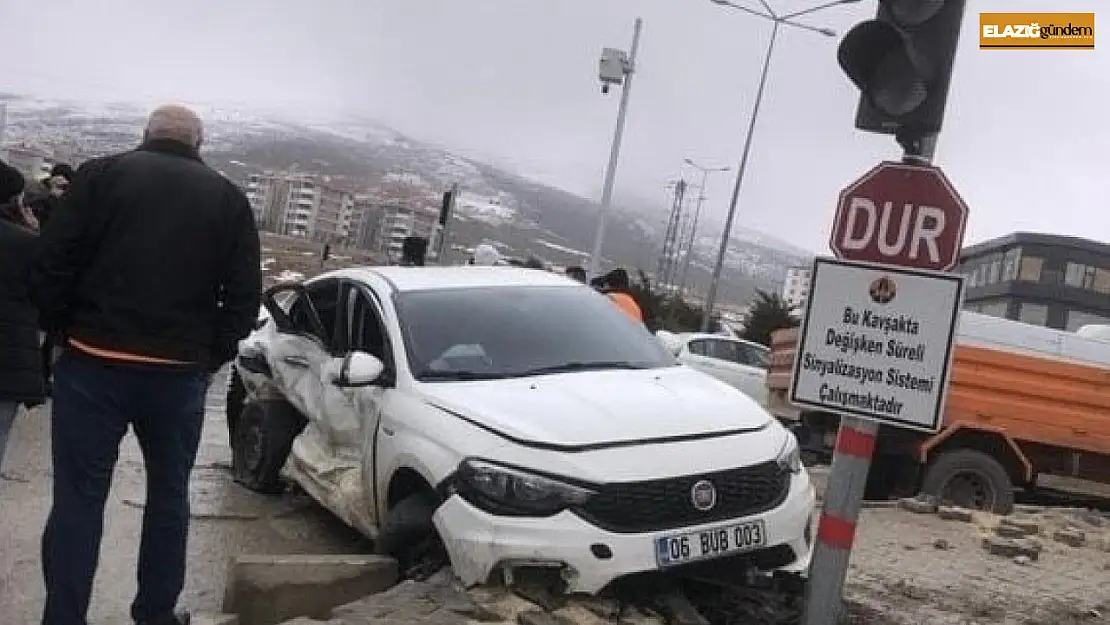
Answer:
(478, 542)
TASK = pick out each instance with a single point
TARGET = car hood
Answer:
(597, 409)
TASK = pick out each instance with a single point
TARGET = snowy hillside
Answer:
(528, 216)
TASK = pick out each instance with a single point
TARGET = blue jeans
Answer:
(8, 412)
(94, 403)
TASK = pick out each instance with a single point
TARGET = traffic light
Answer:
(902, 63)
(445, 208)
(413, 251)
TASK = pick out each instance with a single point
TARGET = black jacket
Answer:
(151, 252)
(43, 208)
(20, 359)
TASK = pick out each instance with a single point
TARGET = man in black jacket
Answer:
(150, 274)
(20, 378)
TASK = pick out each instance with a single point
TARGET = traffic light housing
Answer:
(902, 63)
(445, 207)
(413, 251)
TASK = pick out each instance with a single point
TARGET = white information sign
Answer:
(876, 342)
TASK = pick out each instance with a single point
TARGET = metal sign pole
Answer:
(836, 531)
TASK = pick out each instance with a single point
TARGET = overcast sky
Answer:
(1026, 137)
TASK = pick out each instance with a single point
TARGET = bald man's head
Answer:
(175, 123)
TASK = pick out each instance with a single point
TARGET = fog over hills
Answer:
(524, 215)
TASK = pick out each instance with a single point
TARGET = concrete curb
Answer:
(266, 590)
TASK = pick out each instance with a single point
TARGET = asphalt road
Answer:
(227, 520)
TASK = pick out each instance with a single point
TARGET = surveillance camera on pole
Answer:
(614, 66)
(902, 63)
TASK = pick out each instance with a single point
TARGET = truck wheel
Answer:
(236, 399)
(407, 527)
(262, 441)
(971, 479)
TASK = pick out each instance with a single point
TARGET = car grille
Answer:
(634, 507)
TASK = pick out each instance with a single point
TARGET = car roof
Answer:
(691, 336)
(406, 279)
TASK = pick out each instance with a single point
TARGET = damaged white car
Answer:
(521, 415)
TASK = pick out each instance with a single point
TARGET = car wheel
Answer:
(236, 399)
(970, 479)
(263, 438)
(407, 530)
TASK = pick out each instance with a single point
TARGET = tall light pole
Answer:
(615, 69)
(705, 171)
(777, 20)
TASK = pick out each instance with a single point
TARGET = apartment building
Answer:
(1061, 282)
(398, 222)
(301, 205)
(366, 222)
(795, 291)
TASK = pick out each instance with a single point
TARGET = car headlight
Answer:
(506, 491)
(790, 456)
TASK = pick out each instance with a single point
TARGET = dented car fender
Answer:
(416, 435)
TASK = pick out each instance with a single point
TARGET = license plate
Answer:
(712, 543)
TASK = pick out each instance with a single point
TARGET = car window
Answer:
(723, 350)
(324, 297)
(753, 356)
(365, 330)
(511, 331)
(699, 347)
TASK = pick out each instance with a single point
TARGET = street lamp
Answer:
(787, 19)
(705, 171)
(616, 68)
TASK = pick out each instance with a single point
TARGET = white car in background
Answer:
(525, 418)
(740, 364)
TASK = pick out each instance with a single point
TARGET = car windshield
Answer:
(516, 331)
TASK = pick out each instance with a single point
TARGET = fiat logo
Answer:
(703, 495)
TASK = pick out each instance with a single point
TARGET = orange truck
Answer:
(1023, 401)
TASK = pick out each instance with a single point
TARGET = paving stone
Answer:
(509, 606)
(1094, 518)
(539, 617)
(540, 595)
(606, 607)
(578, 614)
(1070, 537)
(633, 616)
(679, 611)
(1012, 547)
(953, 513)
(214, 619)
(1025, 524)
(922, 504)
(1009, 531)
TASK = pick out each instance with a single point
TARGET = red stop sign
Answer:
(900, 214)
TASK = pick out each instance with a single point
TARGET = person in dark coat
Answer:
(55, 186)
(149, 275)
(20, 374)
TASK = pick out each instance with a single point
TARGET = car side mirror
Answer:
(359, 369)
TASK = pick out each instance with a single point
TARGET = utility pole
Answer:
(705, 171)
(671, 237)
(778, 20)
(626, 68)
